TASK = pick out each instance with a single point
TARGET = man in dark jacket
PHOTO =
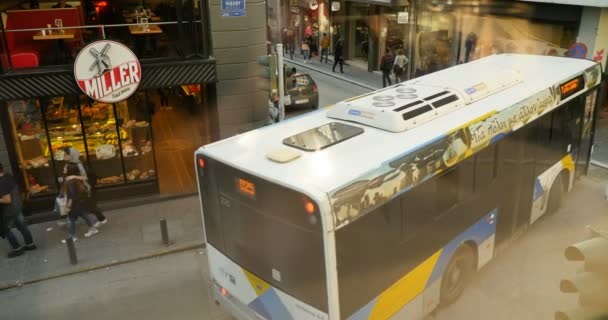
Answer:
(338, 56)
(386, 65)
(10, 214)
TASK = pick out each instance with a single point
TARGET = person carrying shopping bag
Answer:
(306, 50)
(76, 193)
(90, 181)
(400, 66)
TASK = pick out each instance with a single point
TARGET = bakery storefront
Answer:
(138, 146)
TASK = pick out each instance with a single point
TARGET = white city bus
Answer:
(383, 205)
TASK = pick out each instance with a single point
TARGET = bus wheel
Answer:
(456, 275)
(555, 196)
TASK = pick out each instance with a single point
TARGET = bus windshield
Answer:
(271, 231)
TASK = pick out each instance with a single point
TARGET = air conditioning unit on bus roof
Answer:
(408, 105)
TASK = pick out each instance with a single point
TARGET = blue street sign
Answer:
(578, 50)
(233, 8)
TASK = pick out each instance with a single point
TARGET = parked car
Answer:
(302, 91)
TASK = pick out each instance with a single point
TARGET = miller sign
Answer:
(107, 71)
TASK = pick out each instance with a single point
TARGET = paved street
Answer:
(168, 287)
(522, 283)
(331, 90)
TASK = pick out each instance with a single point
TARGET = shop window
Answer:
(133, 118)
(32, 146)
(114, 140)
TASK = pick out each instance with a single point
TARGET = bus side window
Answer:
(448, 190)
(418, 208)
(485, 168)
(466, 171)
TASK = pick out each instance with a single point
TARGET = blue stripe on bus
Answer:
(363, 313)
(479, 232)
(270, 306)
(538, 189)
(498, 137)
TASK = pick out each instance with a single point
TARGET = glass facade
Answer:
(115, 140)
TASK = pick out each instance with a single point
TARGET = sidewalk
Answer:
(352, 73)
(131, 234)
(600, 149)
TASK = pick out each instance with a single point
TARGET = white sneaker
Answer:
(62, 223)
(104, 221)
(73, 238)
(91, 232)
(97, 224)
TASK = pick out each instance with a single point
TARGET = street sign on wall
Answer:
(578, 50)
(233, 8)
(403, 17)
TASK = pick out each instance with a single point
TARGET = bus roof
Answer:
(339, 166)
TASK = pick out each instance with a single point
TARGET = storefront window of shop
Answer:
(435, 33)
(459, 33)
(114, 140)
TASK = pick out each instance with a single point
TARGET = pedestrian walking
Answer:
(11, 214)
(306, 50)
(76, 192)
(386, 65)
(324, 47)
(400, 66)
(89, 178)
(291, 42)
(338, 52)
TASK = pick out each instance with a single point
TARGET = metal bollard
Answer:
(164, 231)
(69, 242)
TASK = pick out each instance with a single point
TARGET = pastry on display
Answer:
(133, 174)
(146, 146)
(38, 188)
(110, 180)
(147, 174)
(105, 151)
(129, 124)
(141, 124)
(128, 150)
(37, 162)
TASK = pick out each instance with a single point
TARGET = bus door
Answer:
(526, 190)
(584, 150)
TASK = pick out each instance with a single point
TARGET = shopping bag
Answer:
(61, 205)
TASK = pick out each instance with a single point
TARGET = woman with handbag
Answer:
(90, 181)
(75, 193)
(399, 66)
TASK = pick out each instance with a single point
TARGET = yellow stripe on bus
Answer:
(260, 286)
(404, 290)
(568, 163)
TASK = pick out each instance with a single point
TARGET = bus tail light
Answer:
(201, 163)
(309, 207)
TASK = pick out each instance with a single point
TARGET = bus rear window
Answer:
(267, 229)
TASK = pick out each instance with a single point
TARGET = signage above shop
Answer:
(403, 17)
(107, 71)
